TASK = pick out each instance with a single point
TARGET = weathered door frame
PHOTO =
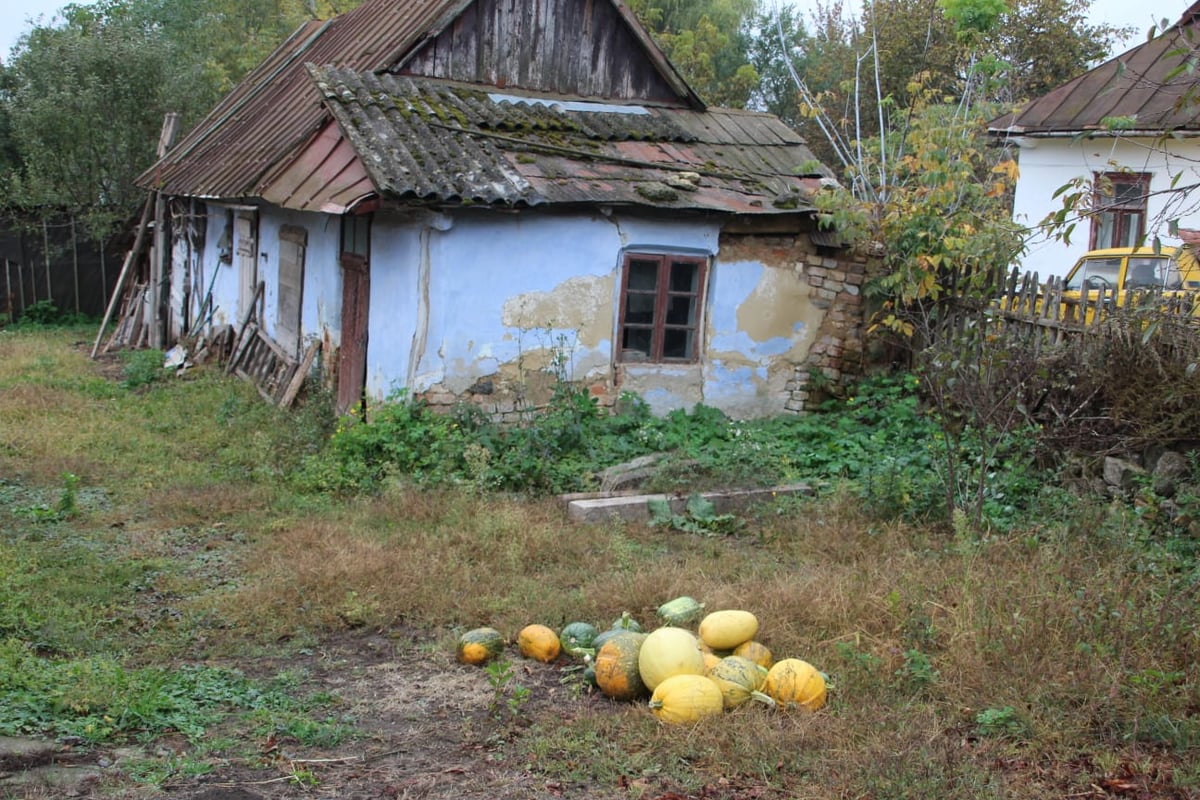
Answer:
(356, 296)
(293, 243)
(246, 244)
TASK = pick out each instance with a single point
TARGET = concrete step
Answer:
(635, 507)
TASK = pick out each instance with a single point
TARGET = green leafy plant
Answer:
(507, 693)
(1001, 723)
(142, 368)
(699, 516)
(918, 672)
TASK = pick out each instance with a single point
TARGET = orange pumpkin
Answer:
(539, 643)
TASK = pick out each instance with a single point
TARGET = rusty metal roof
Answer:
(1149, 87)
(256, 132)
(441, 142)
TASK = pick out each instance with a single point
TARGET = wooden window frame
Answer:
(1122, 210)
(663, 293)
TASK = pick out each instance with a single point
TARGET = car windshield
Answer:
(1095, 273)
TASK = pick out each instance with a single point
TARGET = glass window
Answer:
(661, 308)
(1119, 209)
(1096, 273)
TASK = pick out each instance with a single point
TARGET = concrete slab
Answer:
(635, 508)
(18, 752)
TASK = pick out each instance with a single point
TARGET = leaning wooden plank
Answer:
(249, 315)
(297, 381)
(130, 258)
(244, 340)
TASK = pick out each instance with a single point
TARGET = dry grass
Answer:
(1078, 636)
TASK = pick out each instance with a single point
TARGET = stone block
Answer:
(635, 508)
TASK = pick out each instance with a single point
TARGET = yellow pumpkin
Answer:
(737, 678)
(684, 699)
(757, 652)
(539, 643)
(725, 630)
(793, 683)
(669, 651)
(479, 645)
(617, 666)
(711, 659)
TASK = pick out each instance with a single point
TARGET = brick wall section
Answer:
(836, 357)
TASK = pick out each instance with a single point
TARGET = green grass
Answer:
(163, 548)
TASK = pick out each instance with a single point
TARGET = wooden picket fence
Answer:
(1026, 308)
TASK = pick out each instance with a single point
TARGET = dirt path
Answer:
(426, 727)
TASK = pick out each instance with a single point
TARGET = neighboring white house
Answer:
(462, 199)
(1128, 128)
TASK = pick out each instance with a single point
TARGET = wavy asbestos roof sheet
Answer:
(441, 142)
(1151, 87)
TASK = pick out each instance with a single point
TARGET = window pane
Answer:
(1132, 227)
(1128, 195)
(639, 309)
(681, 310)
(677, 343)
(1096, 272)
(635, 341)
(1106, 230)
(684, 276)
(643, 275)
(355, 233)
(1143, 272)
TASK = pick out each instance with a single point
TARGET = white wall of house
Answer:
(321, 311)
(1047, 164)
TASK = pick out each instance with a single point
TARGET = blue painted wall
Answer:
(459, 298)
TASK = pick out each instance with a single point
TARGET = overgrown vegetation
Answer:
(158, 562)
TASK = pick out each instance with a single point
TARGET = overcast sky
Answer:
(17, 14)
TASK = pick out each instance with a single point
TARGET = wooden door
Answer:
(246, 238)
(352, 356)
(293, 242)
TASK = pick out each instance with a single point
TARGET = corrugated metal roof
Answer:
(1148, 85)
(443, 142)
(260, 128)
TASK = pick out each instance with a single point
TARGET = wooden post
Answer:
(103, 277)
(130, 258)
(158, 264)
(75, 262)
(8, 295)
(21, 286)
(46, 259)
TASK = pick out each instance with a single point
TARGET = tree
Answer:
(708, 41)
(83, 100)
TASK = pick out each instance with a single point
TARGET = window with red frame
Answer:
(1119, 209)
(662, 299)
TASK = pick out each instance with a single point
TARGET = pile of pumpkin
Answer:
(688, 675)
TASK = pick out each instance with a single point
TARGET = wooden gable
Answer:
(584, 48)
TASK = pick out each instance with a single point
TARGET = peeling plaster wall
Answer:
(488, 308)
(221, 276)
(319, 317)
(513, 299)
(322, 298)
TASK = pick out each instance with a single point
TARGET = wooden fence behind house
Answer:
(1025, 308)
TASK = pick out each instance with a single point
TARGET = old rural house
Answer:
(465, 199)
(1129, 125)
